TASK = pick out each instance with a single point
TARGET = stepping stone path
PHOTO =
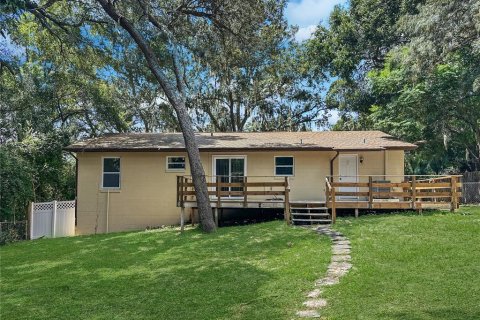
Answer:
(338, 267)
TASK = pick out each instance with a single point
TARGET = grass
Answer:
(410, 267)
(252, 272)
(406, 266)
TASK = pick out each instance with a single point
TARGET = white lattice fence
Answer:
(52, 219)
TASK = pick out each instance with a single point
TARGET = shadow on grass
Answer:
(238, 272)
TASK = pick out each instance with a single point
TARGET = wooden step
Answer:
(310, 214)
(313, 208)
(312, 220)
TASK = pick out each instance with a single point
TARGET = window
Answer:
(230, 170)
(176, 163)
(111, 173)
(284, 166)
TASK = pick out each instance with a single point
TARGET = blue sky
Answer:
(307, 14)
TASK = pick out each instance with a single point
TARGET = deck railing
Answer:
(410, 191)
(237, 189)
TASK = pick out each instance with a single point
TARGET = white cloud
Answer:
(305, 33)
(304, 13)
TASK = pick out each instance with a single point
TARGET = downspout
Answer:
(108, 208)
(331, 165)
(76, 185)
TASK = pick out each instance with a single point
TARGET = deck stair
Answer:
(309, 213)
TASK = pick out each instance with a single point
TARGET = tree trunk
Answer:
(178, 103)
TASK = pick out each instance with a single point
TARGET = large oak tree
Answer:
(162, 34)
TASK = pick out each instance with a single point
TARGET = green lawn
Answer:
(410, 267)
(252, 272)
(406, 266)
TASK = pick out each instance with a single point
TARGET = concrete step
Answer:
(313, 208)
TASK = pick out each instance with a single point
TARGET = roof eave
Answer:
(253, 149)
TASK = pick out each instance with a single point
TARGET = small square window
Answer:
(176, 163)
(284, 166)
(111, 173)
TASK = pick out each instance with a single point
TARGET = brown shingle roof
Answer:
(237, 141)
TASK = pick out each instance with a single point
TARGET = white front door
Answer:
(348, 172)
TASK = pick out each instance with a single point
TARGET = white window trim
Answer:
(119, 174)
(215, 157)
(275, 166)
(175, 170)
(214, 171)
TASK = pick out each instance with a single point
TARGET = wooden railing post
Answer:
(370, 192)
(184, 190)
(327, 193)
(217, 190)
(245, 192)
(453, 183)
(287, 202)
(178, 191)
(334, 210)
(414, 191)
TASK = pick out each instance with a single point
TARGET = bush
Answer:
(12, 232)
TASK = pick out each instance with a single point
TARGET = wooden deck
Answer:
(407, 192)
(367, 193)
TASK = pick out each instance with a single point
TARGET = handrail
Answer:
(238, 190)
(327, 181)
(400, 175)
(330, 197)
(439, 190)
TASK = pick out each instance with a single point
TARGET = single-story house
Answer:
(130, 181)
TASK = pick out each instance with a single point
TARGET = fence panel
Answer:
(65, 222)
(52, 219)
(41, 220)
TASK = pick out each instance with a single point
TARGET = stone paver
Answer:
(340, 251)
(315, 303)
(308, 314)
(314, 293)
(341, 257)
(338, 267)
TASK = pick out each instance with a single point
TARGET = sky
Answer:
(307, 14)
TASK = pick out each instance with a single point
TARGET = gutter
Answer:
(248, 149)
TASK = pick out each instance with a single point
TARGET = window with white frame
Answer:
(176, 163)
(284, 166)
(111, 173)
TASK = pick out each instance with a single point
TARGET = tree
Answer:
(356, 41)
(410, 68)
(162, 32)
(258, 85)
(435, 78)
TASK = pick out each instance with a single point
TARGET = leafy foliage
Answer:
(34, 170)
(410, 68)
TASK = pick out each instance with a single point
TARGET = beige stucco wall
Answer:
(148, 192)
